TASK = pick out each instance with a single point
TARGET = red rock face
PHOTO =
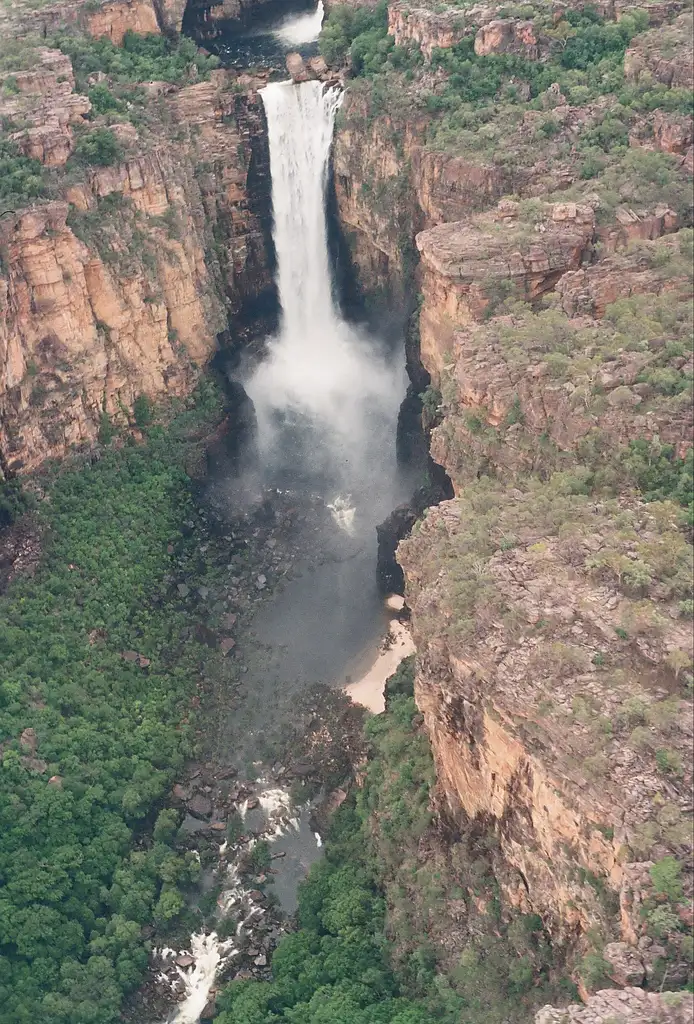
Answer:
(508, 36)
(425, 29)
(90, 320)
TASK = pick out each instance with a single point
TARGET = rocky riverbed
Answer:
(272, 590)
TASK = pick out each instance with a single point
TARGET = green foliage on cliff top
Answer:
(143, 58)
(361, 34)
(74, 897)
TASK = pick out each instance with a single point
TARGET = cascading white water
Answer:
(300, 29)
(319, 368)
(300, 127)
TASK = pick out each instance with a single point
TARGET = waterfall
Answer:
(327, 380)
(300, 128)
(300, 29)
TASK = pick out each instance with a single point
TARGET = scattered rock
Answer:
(183, 589)
(56, 780)
(185, 960)
(227, 644)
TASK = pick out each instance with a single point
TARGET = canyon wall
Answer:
(119, 283)
(550, 601)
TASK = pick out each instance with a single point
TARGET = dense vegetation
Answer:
(20, 177)
(99, 662)
(353, 962)
(144, 58)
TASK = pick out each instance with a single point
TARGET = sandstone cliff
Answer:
(120, 284)
(551, 597)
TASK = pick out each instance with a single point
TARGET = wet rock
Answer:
(209, 1010)
(185, 960)
(252, 803)
(218, 826)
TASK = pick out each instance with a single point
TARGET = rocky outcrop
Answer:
(628, 1006)
(666, 54)
(44, 103)
(424, 28)
(467, 266)
(507, 35)
(110, 18)
(113, 20)
(122, 286)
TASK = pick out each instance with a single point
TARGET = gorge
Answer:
(207, 274)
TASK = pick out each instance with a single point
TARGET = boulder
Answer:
(626, 966)
(296, 67)
(200, 806)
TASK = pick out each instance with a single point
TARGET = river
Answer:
(326, 399)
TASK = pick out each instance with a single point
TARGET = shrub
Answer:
(142, 410)
(99, 147)
(669, 761)
(666, 875)
(106, 431)
(102, 99)
(141, 58)
(21, 179)
(14, 502)
(594, 971)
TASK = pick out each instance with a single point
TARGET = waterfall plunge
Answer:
(322, 377)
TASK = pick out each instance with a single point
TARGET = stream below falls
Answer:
(320, 474)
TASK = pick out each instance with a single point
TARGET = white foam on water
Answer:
(318, 368)
(210, 954)
(300, 29)
(343, 512)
